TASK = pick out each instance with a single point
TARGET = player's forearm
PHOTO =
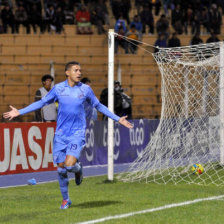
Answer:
(101, 108)
(32, 107)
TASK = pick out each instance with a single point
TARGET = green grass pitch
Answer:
(96, 198)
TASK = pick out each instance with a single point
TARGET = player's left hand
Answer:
(126, 123)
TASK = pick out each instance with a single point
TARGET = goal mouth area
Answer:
(180, 175)
(191, 129)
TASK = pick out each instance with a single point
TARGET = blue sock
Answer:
(74, 169)
(63, 182)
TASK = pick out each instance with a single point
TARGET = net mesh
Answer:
(189, 129)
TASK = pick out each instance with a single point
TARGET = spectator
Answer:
(88, 3)
(162, 25)
(35, 19)
(21, 17)
(215, 19)
(161, 42)
(213, 38)
(98, 19)
(48, 3)
(189, 20)
(83, 21)
(174, 41)
(49, 18)
(91, 112)
(10, 3)
(7, 19)
(119, 40)
(102, 5)
(126, 100)
(118, 109)
(121, 7)
(166, 4)
(139, 4)
(220, 3)
(28, 4)
(157, 4)
(69, 15)
(176, 19)
(202, 18)
(138, 24)
(75, 3)
(147, 20)
(103, 8)
(120, 22)
(49, 112)
(126, 7)
(59, 20)
(196, 39)
(134, 35)
(116, 6)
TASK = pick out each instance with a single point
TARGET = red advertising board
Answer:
(26, 147)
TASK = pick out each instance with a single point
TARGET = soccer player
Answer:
(69, 138)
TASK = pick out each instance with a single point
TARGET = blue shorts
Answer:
(64, 146)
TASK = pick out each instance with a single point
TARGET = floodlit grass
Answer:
(96, 198)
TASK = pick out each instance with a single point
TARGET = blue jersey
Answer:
(91, 113)
(71, 119)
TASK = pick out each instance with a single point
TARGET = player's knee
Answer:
(69, 168)
(61, 165)
(62, 171)
(75, 168)
(70, 161)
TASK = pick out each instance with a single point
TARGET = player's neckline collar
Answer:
(67, 85)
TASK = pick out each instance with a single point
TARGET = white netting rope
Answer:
(189, 129)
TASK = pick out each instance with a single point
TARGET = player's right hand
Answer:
(11, 114)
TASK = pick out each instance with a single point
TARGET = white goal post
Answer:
(110, 138)
(221, 99)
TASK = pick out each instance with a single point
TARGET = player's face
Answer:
(74, 74)
(47, 84)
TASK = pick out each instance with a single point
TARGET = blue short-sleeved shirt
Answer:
(71, 119)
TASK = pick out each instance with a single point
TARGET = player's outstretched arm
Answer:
(11, 114)
(125, 123)
(122, 120)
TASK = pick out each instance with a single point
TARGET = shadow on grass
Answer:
(94, 204)
(108, 181)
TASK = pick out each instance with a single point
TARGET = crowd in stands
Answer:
(183, 17)
(192, 16)
(52, 15)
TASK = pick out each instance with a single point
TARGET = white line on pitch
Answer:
(152, 209)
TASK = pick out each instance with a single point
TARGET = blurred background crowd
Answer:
(165, 18)
(51, 15)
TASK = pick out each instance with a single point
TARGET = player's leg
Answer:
(63, 183)
(73, 153)
(59, 155)
(74, 166)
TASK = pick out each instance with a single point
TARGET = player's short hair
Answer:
(70, 64)
(47, 76)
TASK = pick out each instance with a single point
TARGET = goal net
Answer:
(192, 117)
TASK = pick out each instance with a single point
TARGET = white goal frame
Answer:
(110, 135)
(220, 103)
